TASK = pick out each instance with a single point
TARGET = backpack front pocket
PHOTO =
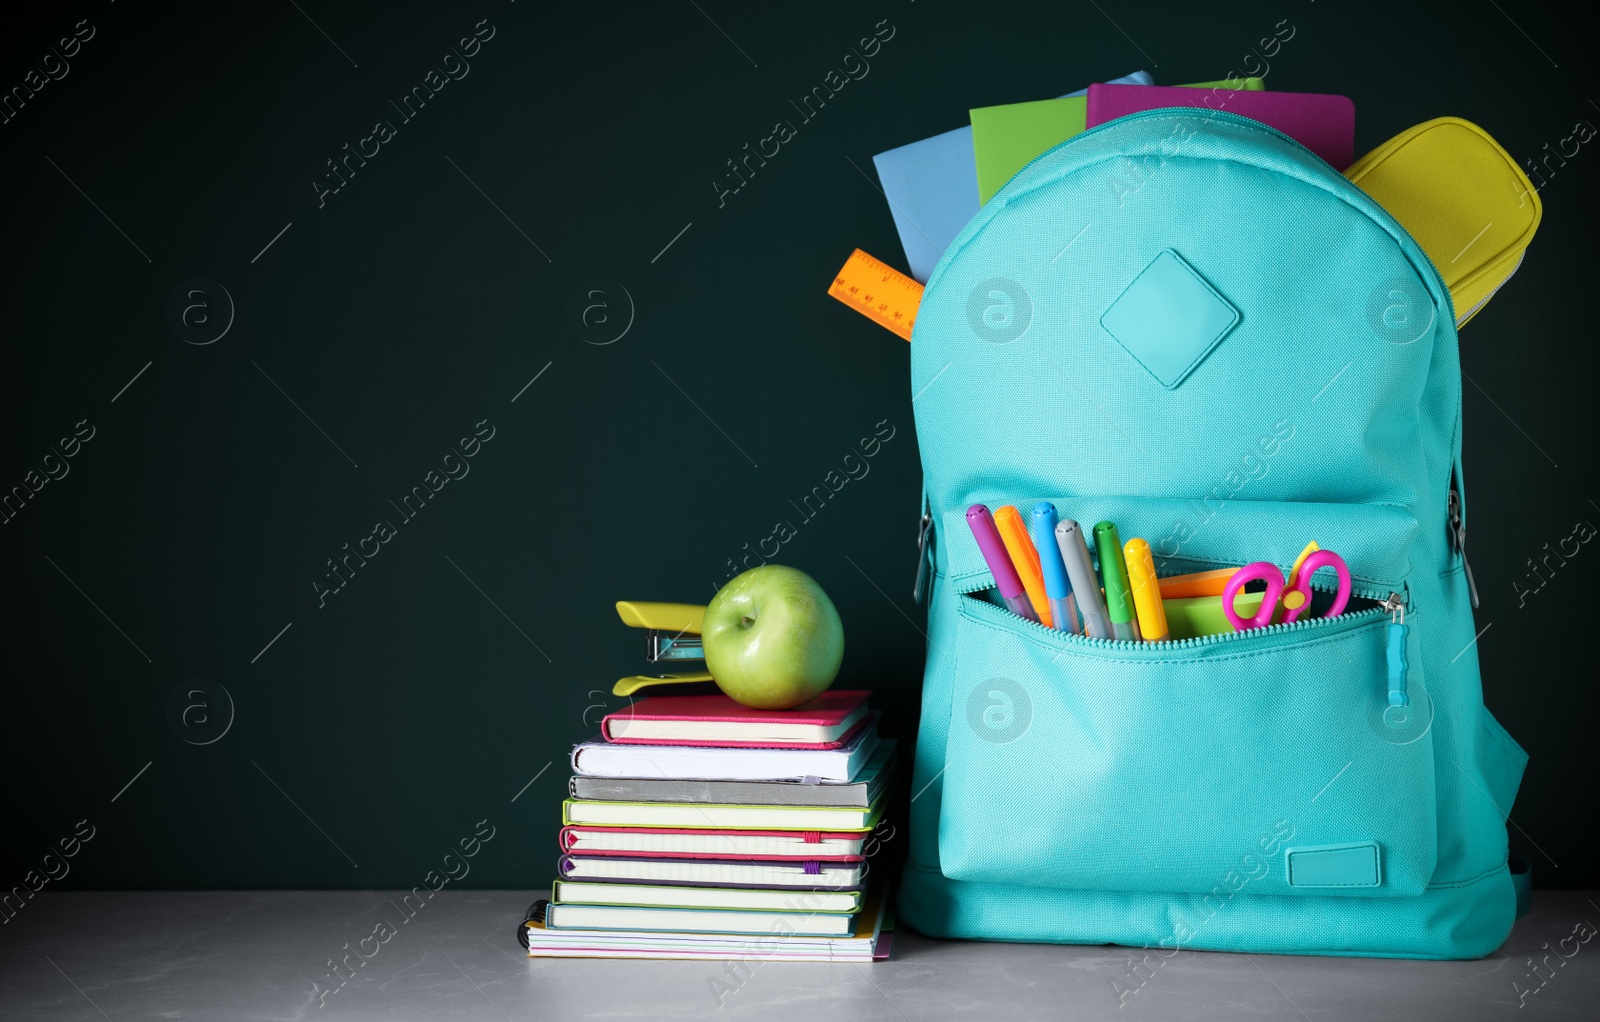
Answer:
(1267, 761)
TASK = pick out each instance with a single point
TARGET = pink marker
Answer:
(994, 554)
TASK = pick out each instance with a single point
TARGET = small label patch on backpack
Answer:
(1355, 865)
(1169, 319)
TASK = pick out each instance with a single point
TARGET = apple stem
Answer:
(746, 621)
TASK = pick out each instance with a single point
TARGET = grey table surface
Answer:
(256, 955)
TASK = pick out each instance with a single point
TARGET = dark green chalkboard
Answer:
(430, 304)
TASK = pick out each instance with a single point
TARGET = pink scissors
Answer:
(1296, 598)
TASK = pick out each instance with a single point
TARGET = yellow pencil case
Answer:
(1464, 200)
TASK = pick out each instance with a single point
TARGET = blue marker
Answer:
(1057, 587)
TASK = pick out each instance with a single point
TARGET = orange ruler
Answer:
(878, 291)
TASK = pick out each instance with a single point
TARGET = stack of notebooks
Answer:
(702, 829)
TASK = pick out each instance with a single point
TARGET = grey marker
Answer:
(1085, 587)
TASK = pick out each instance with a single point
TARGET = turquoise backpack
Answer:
(1188, 324)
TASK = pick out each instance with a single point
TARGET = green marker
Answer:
(1114, 573)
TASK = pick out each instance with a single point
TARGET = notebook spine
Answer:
(536, 912)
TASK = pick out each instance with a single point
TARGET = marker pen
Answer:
(1146, 590)
(994, 555)
(1014, 534)
(1085, 589)
(1114, 572)
(1057, 586)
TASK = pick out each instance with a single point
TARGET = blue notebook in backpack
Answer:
(1188, 324)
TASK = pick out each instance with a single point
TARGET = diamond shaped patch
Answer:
(1169, 318)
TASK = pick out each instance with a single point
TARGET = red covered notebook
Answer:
(827, 722)
(1323, 123)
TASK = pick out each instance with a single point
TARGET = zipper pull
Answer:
(924, 530)
(1458, 539)
(1396, 653)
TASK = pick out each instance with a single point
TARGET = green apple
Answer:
(772, 638)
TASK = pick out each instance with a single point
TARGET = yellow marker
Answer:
(1146, 590)
(1025, 558)
(1292, 597)
(878, 291)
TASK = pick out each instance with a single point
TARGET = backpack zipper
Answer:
(1366, 615)
(1458, 539)
(1379, 595)
(1395, 651)
(1485, 300)
(924, 530)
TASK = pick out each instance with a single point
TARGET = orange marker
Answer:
(1014, 534)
